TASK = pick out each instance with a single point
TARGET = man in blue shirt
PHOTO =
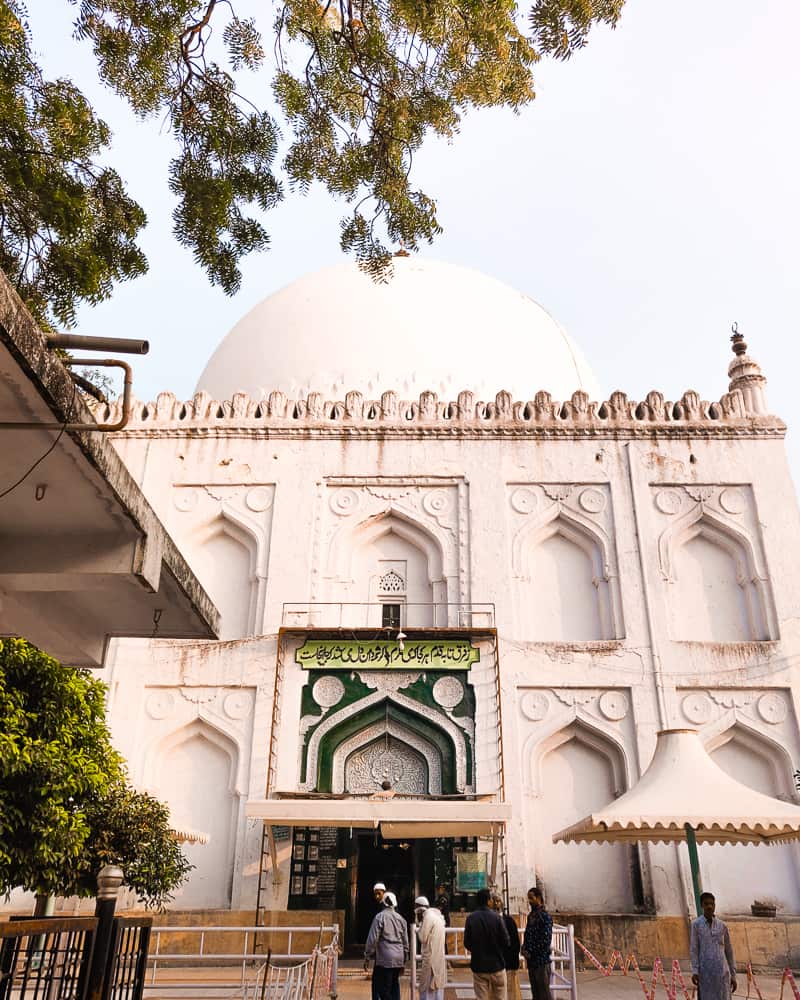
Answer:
(536, 945)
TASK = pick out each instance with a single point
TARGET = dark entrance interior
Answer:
(404, 866)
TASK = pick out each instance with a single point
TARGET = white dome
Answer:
(432, 326)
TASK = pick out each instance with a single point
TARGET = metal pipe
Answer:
(120, 345)
(28, 425)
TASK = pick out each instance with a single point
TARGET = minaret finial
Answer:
(746, 376)
(737, 340)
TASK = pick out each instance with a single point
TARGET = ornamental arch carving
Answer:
(360, 553)
(590, 735)
(772, 756)
(441, 742)
(720, 589)
(195, 770)
(231, 562)
(589, 608)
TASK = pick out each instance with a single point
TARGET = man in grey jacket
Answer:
(387, 943)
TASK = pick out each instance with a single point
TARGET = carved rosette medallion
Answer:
(327, 692)
(160, 704)
(448, 692)
(438, 502)
(613, 705)
(592, 500)
(732, 500)
(259, 499)
(535, 705)
(344, 502)
(524, 501)
(668, 501)
(185, 500)
(697, 708)
(237, 704)
(772, 708)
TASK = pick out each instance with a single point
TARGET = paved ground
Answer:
(355, 985)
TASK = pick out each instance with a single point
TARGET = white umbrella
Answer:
(683, 793)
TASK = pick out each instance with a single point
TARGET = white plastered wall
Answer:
(636, 676)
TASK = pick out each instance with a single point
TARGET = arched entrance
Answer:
(390, 743)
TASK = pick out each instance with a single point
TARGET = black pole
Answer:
(108, 882)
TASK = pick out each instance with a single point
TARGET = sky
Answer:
(648, 198)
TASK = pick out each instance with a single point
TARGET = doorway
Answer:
(404, 866)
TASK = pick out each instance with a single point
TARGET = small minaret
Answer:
(745, 374)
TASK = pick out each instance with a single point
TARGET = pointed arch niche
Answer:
(568, 590)
(573, 771)
(432, 746)
(364, 554)
(227, 555)
(194, 769)
(743, 873)
(718, 591)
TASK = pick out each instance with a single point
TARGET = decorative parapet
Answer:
(276, 415)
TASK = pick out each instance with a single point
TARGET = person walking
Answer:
(711, 953)
(511, 954)
(387, 943)
(433, 967)
(486, 940)
(536, 945)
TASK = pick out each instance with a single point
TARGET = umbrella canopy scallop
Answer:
(683, 786)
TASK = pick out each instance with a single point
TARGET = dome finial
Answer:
(737, 340)
(745, 375)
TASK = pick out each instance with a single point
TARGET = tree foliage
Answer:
(67, 227)
(66, 807)
(356, 86)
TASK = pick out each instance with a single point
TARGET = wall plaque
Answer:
(471, 871)
(387, 654)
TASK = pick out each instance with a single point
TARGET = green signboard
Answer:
(387, 654)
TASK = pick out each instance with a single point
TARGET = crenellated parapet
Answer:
(276, 414)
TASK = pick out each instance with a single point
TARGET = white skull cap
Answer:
(421, 901)
(390, 899)
(379, 885)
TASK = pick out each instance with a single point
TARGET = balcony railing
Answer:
(354, 615)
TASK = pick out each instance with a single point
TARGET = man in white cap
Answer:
(433, 969)
(387, 943)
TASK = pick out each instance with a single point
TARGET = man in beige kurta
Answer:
(433, 968)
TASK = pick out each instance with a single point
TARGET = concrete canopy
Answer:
(681, 787)
(83, 556)
(396, 817)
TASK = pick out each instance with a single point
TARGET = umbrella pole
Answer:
(694, 864)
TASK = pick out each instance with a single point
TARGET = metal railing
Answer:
(45, 959)
(127, 958)
(243, 949)
(354, 614)
(562, 965)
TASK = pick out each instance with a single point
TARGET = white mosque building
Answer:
(461, 591)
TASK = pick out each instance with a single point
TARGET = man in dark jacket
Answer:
(511, 954)
(536, 945)
(486, 939)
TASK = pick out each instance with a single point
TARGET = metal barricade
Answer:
(174, 967)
